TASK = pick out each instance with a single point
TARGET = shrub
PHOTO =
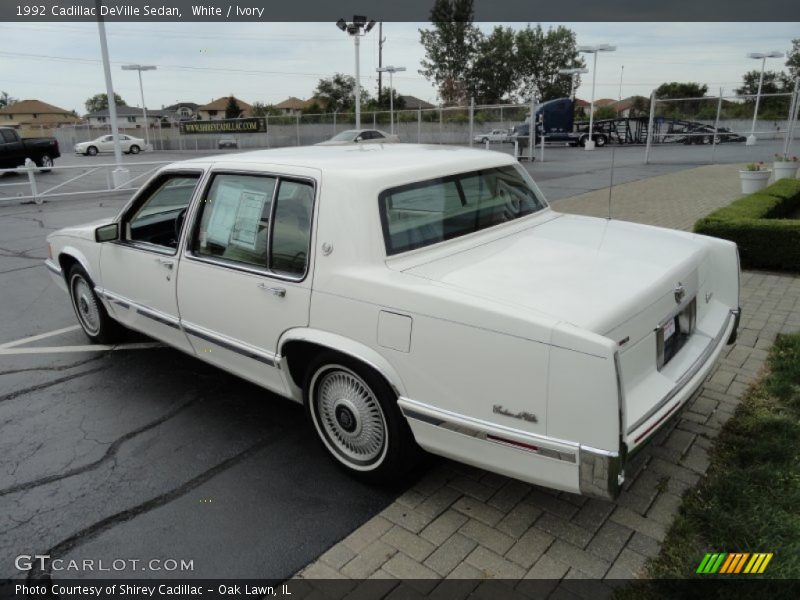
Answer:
(757, 223)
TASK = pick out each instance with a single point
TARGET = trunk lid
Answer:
(614, 278)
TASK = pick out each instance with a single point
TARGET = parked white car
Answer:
(360, 136)
(495, 135)
(105, 143)
(416, 296)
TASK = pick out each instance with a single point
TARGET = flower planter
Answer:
(785, 169)
(752, 181)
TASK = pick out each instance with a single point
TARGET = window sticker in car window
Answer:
(223, 214)
(248, 217)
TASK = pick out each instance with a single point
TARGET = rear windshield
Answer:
(427, 212)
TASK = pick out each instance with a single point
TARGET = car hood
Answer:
(85, 231)
(592, 273)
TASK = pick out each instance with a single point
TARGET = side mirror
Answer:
(107, 233)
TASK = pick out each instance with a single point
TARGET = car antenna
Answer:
(611, 179)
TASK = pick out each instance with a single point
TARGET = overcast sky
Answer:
(268, 62)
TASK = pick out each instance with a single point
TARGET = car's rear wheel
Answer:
(600, 141)
(91, 150)
(92, 315)
(355, 414)
(45, 162)
(134, 149)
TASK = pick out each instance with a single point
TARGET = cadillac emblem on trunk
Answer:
(680, 292)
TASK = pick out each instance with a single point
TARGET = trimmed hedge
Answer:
(758, 225)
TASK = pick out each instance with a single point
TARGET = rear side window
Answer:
(259, 221)
(234, 223)
(291, 233)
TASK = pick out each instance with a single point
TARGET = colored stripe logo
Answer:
(729, 563)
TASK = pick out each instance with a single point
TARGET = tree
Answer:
(384, 104)
(99, 102)
(260, 109)
(675, 89)
(450, 49)
(604, 112)
(232, 110)
(6, 100)
(686, 108)
(338, 93)
(793, 60)
(541, 55)
(775, 82)
(493, 77)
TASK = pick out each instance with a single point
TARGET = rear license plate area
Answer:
(673, 333)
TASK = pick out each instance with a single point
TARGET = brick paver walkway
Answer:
(462, 522)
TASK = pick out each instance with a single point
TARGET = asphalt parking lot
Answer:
(142, 452)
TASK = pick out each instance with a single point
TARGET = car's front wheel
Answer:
(91, 151)
(355, 414)
(92, 315)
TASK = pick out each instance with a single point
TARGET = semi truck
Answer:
(555, 122)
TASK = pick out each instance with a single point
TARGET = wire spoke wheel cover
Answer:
(349, 417)
(85, 304)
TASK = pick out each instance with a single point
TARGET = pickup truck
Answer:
(14, 150)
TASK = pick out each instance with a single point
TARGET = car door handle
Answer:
(275, 291)
(168, 264)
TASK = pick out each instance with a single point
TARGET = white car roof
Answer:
(369, 160)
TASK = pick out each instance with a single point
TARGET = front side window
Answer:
(428, 212)
(234, 222)
(159, 218)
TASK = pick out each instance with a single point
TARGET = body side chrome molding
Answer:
(232, 345)
(690, 373)
(145, 311)
(498, 434)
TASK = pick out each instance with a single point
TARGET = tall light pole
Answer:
(141, 68)
(120, 174)
(357, 28)
(594, 50)
(391, 70)
(751, 140)
(573, 73)
(621, 73)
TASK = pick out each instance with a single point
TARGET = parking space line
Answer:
(41, 336)
(4, 350)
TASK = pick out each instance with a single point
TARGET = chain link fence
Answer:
(710, 128)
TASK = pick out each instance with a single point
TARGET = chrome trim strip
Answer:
(52, 267)
(112, 297)
(228, 344)
(485, 431)
(686, 377)
(158, 317)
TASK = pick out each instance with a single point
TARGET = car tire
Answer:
(484, 140)
(600, 141)
(582, 141)
(91, 151)
(45, 163)
(98, 326)
(355, 414)
(134, 149)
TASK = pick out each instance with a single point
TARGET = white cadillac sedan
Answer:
(416, 297)
(360, 136)
(105, 143)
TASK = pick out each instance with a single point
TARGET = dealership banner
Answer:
(253, 125)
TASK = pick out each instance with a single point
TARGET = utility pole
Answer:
(381, 39)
